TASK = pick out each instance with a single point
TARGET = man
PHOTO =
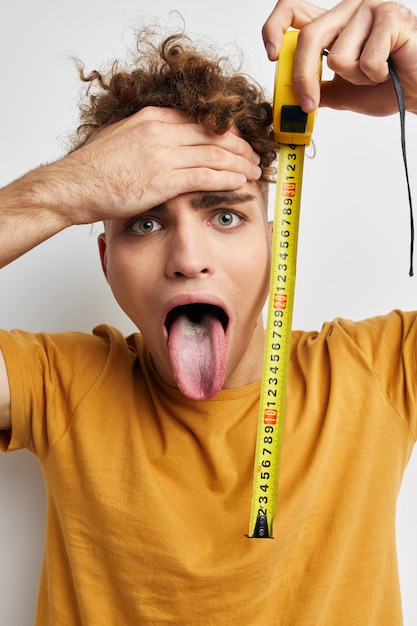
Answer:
(146, 443)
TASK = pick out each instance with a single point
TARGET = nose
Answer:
(188, 254)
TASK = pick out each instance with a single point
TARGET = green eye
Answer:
(227, 219)
(144, 226)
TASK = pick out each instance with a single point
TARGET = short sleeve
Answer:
(49, 375)
(388, 343)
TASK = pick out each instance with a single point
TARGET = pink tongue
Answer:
(198, 355)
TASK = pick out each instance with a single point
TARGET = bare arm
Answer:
(5, 422)
(140, 162)
(26, 216)
(125, 169)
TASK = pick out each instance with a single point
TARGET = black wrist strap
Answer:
(401, 107)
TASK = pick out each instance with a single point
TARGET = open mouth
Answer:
(197, 339)
(195, 313)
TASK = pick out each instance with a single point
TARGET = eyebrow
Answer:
(208, 199)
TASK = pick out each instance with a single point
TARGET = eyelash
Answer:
(218, 213)
(235, 216)
(142, 220)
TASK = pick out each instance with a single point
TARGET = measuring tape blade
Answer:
(293, 129)
(278, 340)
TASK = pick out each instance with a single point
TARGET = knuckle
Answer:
(336, 60)
(310, 35)
(367, 65)
(217, 156)
(390, 13)
(151, 126)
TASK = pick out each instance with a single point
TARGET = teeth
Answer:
(195, 313)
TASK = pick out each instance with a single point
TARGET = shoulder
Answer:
(396, 326)
(66, 355)
(381, 343)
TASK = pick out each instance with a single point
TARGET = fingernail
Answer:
(307, 104)
(270, 50)
(257, 172)
(256, 158)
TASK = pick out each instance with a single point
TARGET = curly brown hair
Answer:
(175, 74)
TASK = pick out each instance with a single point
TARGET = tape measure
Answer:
(292, 129)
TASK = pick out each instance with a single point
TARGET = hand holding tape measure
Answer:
(293, 129)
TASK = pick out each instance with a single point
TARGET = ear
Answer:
(102, 247)
(271, 230)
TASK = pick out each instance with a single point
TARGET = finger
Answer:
(354, 55)
(228, 146)
(202, 179)
(176, 128)
(312, 40)
(215, 158)
(393, 35)
(195, 134)
(170, 127)
(231, 141)
(287, 13)
(163, 114)
(360, 55)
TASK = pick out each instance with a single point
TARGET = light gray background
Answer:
(353, 251)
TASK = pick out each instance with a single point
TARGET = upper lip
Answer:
(187, 300)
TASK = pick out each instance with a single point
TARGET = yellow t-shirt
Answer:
(149, 492)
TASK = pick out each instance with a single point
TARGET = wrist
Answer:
(30, 213)
(47, 193)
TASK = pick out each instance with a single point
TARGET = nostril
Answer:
(180, 274)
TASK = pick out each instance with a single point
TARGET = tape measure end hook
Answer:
(261, 530)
